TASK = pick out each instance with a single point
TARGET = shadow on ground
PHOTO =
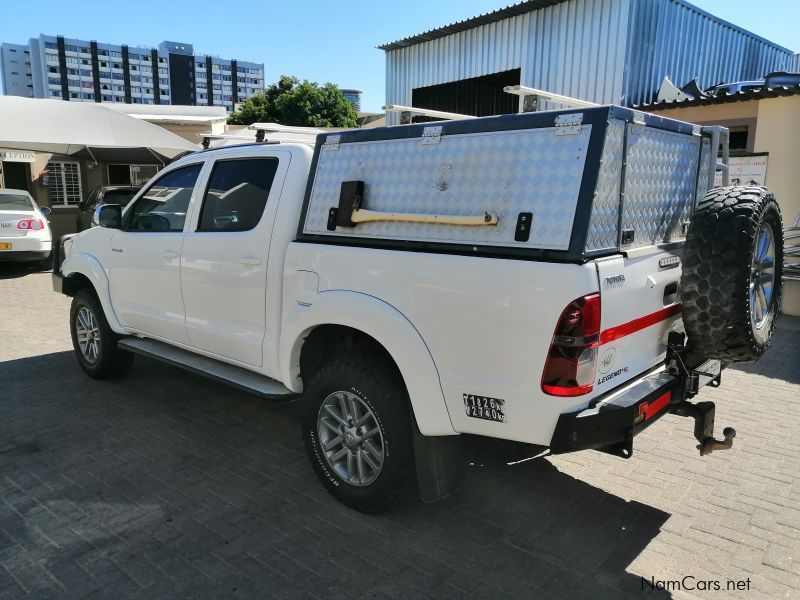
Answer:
(164, 484)
(13, 270)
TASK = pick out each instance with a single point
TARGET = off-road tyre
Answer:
(377, 383)
(717, 268)
(110, 361)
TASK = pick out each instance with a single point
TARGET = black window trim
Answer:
(208, 186)
(126, 217)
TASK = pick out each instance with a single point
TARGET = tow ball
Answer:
(701, 412)
(703, 415)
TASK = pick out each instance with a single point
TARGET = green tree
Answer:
(292, 102)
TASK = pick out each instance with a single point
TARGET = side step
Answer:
(237, 377)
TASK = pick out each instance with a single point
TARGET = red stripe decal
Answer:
(650, 409)
(614, 333)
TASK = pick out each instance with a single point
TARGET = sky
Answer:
(318, 40)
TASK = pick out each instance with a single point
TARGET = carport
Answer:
(78, 146)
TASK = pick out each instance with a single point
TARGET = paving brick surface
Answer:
(165, 485)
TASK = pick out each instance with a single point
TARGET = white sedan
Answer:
(24, 232)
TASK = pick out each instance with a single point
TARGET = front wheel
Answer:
(357, 429)
(94, 342)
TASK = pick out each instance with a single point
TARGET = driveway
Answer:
(164, 485)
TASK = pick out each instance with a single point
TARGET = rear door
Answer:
(225, 255)
(640, 300)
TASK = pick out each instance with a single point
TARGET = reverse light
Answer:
(30, 224)
(570, 366)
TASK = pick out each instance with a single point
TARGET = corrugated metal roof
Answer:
(723, 98)
(520, 8)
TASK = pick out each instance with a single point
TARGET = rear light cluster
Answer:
(30, 225)
(570, 366)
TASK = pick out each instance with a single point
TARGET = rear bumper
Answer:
(611, 423)
(24, 255)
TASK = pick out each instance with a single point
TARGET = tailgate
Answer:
(640, 300)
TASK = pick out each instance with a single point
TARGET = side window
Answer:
(163, 206)
(237, 194)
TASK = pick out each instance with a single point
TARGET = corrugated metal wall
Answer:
(795, 64)
(672, 38)
(575, 48)
(606, 51)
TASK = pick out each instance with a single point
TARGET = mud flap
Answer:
(439, 465)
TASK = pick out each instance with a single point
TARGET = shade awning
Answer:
(87, 130)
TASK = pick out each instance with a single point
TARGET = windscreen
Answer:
(15, 202)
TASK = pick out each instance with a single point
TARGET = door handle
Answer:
(170, 254)
(250, 260)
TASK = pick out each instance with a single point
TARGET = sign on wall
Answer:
(17, 156)
(746, 170)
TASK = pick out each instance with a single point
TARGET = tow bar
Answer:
(706, 373)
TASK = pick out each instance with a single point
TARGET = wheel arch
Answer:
(84, 270)
(341, 318)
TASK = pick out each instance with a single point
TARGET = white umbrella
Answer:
(84, 129)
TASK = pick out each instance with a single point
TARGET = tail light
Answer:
(570, 366)
(30, 224)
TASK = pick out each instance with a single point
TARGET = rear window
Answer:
(121, 197)
(15, 202)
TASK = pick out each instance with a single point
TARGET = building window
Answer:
(130, 174)
(51, 45)
(64, 183)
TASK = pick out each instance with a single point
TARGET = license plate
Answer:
(5, 246)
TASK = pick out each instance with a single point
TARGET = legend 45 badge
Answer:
(481, 407)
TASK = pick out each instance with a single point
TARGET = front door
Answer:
(225, 253)
(144, 262)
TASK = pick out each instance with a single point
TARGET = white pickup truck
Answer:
(559, 278)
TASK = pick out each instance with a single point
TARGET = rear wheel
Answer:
(94, 342)
(357, 429)
(731, 282)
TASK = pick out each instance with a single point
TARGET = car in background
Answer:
(24, 230)
(104, 194)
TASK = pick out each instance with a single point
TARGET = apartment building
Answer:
(89, 71)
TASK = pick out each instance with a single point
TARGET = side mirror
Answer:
(108, 215)
(45, 210)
